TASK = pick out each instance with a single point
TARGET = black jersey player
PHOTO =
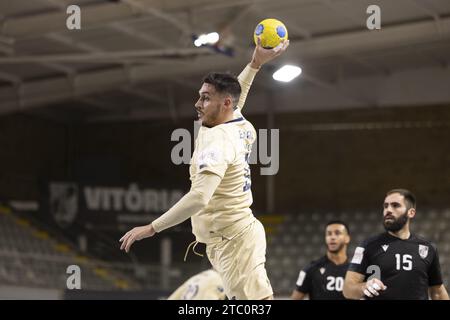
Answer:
(323, 279)
(396, 264)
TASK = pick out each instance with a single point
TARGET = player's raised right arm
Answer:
(259, 58)
(245, 79)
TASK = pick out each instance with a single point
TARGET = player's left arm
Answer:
(438, 292)
(202, 189)
(436, 289)
(260, 57)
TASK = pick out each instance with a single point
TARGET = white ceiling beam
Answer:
(106, 57)
(366, 41)
(389, 37)
(47, 91)
(142, 7)
(376, 90)
(6, 49)
(92, 15)
(95, 103)
(355, 59)
(425, 9)
(10, 77)
(70, 72)
(219, 5)
(144, 94)
(345, 43)
(340, 91)
(60, 4)
(6, 40)
(6, 43)
(342, 12)
(130, 31)
(64, 39)
(194, 85)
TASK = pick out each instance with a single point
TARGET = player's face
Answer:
(336, 237)
(209, 105)
(395, 213)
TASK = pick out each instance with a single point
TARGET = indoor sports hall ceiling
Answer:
(134, 59)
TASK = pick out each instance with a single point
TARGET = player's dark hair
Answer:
(410, 198)
(225, 83)
(339, 222)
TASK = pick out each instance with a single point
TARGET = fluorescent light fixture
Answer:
(287, 73)
(198, 43)
(203, 38)
(210, 38)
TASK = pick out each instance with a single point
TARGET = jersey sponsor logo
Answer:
(358, 256)
(301, 278)
(209, 157)
(322, 270)
(245, 134)
(210, 154)
(423, 251)
(385, 247)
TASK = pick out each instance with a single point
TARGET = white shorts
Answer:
(240, 262)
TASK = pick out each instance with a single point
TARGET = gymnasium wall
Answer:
(30, 148)
(328, 160)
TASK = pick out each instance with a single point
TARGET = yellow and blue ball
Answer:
(271, 32)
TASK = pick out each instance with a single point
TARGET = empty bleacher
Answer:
(31, 257)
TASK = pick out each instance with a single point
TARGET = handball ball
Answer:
(271, 32)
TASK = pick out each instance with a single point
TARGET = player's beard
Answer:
(211, 116)
(397, 223)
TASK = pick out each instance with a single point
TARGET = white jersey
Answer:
(224, 150)
(206, 285)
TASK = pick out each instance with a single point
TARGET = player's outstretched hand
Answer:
(262, 56)
(373, 286)
(136, 234)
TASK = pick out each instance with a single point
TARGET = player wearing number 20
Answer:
(323, 279)
(401, 265)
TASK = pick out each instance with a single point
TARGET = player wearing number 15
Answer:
(406, 266)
